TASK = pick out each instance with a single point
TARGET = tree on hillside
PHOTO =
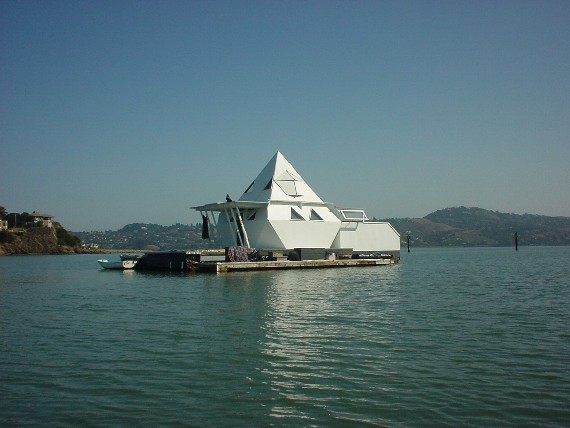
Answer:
(14, 219)
(3, 213)
(66, 238)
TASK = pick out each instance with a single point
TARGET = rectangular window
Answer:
(354, 215)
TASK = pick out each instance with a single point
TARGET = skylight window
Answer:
(289, 183)
(288, 187)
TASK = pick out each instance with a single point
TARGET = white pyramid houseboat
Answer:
(280, 211)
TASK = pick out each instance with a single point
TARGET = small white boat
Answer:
(117, 264)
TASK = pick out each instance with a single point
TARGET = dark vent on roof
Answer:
(247, 190)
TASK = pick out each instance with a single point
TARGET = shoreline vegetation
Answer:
(449, 227)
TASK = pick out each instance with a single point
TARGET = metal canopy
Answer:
(223, 206)
(231, 209)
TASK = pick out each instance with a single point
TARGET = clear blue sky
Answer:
(115, 112)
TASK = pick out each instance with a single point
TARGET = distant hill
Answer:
(145, 236)
(468, 227)
(450, 227)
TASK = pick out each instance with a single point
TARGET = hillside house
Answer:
(42, 220)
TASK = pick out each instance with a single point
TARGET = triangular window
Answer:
(315, 215)
(269, 185)
(296, 215)
(251, 215)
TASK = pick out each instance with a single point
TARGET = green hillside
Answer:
(462, 226)
(145, 236)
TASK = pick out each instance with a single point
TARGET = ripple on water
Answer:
(447, 338)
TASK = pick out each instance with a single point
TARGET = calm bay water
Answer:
(449, 337)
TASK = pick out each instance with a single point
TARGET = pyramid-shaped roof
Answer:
(279, 181)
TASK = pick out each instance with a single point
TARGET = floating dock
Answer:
(235, 259)
(220, 267)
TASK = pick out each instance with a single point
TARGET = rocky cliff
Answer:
(37, 240)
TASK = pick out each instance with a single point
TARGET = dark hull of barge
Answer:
(167, 260)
